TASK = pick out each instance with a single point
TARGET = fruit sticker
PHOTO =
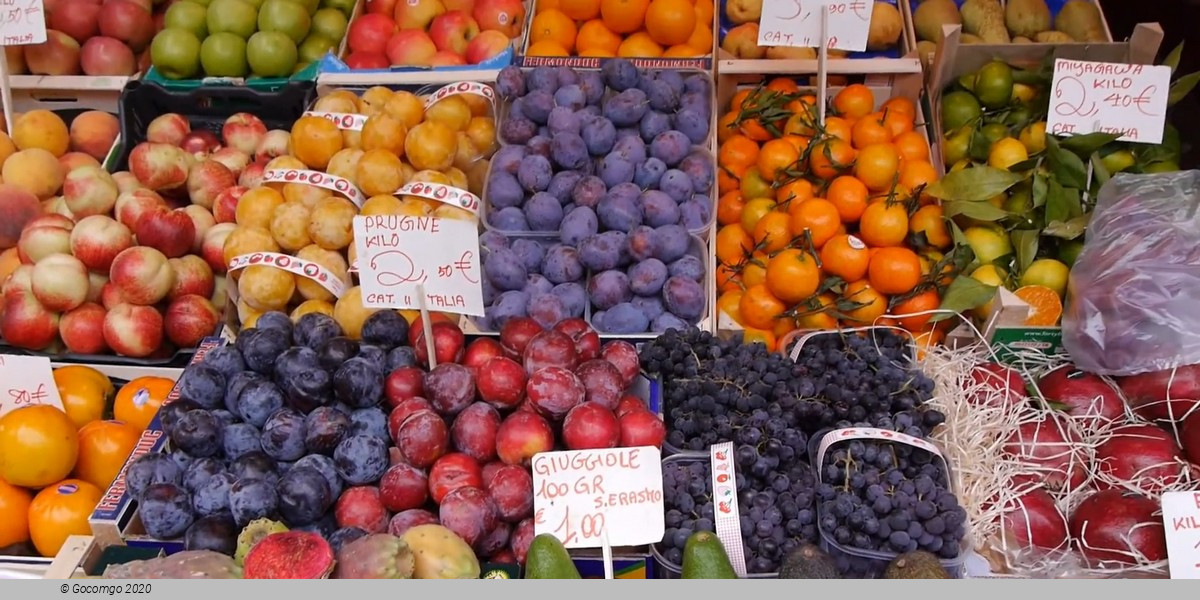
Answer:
(462, 87)
(725, 505)
(317, 178)
(344, 121)
(26, 381)
(292, 264)
(442, 193)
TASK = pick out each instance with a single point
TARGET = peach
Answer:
(213, 248)
(82, 329)
(98, 239)
(208, 179)
(202, 220)
(411, 47)
(417, 14)
(35, 171)
(171, 232)
(89, 191)
(57, 206)
(93, 133)
(200, 142)
(190, 319)
(170, 128)
(96, 283)
(505, 16)
(111, 296)
(159, 166)
(41, 129)
(243, 131)
(274, 143)
(58, 55)
(126, 182)
(60, 282)
(252, 176)
(235, 160)
(19, 281)
(452, 31)
(132, 206)
(486, 45)
(38, 242)
(132, 330)
(17, 208)
(73, 160)
(142, 274)
(25, 323)
(225, 205)
(16, 60)
(104, 55)
(220, 295)
(192, 276)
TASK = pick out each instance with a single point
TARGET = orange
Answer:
(580, 10)
(839, 128)
(103, 448)
(639, 45)
(925, 301)
(817, 313)
(701, 39)
(755, 209)
(854, 101)
(84, 398)
(726, 127)
(900, 105)
(727, 278)
(819, 217)
(593, 35)
(897, 122)
(139, 400)
(754, 270)
(14, 514)
(894, 270)
(868, 306)
(784, 85)
(87, 372)
(1045, 307)
(729, 179)
(553, 25)
(728, 303)
(755, 130)
(870, 130)
(795, 192)
(670, 22)
(38, 446)
(733, 244)
(916, 173)
(59, 511)
(775, 157)
(772, 232)
(729, 207)
(598, 53)
(704, 11)
(759, 307)
(912, 146)
(783, 327)
(547, 48)
(739, 98)
(754, 186)
(928, 221)
(800, 123)
(759, 336)
(792, 275)
(317, 139)
(624, 16)
(683, 51)
(883, 224)
(830, 157)
(876, 165)
(548, 4)
(738, 150)
(849, 195)
(845, 256)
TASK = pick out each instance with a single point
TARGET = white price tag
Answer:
(797, 23)
(727, 519)
(397, 255)
(579, 496)
(1181, 520)
(22, 22)
(1131, 100)
(26, 381)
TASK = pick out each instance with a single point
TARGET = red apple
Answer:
(107, 56)
(452, 31)
(1115, 526)
(1082, 394)
(445, 58)
(590, 425)
(505, 16)
(168, 231)
(1050, 451)
(1033, 520)
(127, 22)
(381, 7)
(360, 59)
(486, 45)
(417, 14)
(1142, 456)
(1148, 393)
(370, 33)
(58, 55)
(411, 48)
(1003, 385)
(79, 19)
(642, 428)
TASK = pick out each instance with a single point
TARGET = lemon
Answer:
(988, 274)
(988, 242)
(1023, 93)
(1006, 153)
(1047, 272)
(1033, 137)
(1118, 161)
(1162, 166)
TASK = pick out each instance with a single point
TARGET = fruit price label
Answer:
(401, 257)
(1129, 100)
(872, 433)
(333, 183)
(298, 266)
(726, 518)
(1181, 520)
(462, 87)
(583, 496)
(797, 23)
(344, 121)
(26, 381)
(442, 193)
(22, 22)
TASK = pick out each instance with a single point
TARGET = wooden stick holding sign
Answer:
(427, 326)
(23, 24)
(823, 65)
(606, 552)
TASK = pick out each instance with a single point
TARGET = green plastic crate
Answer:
(262, 84)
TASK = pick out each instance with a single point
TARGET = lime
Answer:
(1047, 272)
(958, 109)
(994, 84)
(1162, 166)
(956, 145)
(1033, 137)
(1019, 201)
(994, 132)
(1068, 251)
(988, 242)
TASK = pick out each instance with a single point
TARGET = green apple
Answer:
(314, 47)
(346, 6)
(286, 17)
(176, 53)
(255, 3)
(271, 54)
(187, 15)
(203, 3)
(309, 5)
(224, 55)
(331, 23)
(233, 16)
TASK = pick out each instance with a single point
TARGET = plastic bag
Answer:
(1135, 288)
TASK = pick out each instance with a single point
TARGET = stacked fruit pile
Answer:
(822, 224)
(55, 464)
(92, 37)
(625, 28)
(1017, 21)
(609, 160)
(236, 38)
(432, 33)
(290, 423)
(741, 41)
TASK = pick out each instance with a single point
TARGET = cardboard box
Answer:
(66, 92)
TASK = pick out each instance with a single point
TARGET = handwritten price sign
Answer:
(1181, 520)
(1131, 100)
(797, 23)
(581, 495)
(26, 381)
(22, 22)
(397, 255)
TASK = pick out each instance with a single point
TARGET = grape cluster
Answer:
(887, 497)
(776, 510)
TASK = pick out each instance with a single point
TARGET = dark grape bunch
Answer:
(887, 497)
(777, 510)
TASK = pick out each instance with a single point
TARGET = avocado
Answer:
(548, 559)
(808, 562)
(916, 565)
(704, 558)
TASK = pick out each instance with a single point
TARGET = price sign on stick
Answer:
(582, 496)
(26, 381)
(1130, 100)
(1181, 520)
(401, 256)
(22, 22)
(798, 23)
